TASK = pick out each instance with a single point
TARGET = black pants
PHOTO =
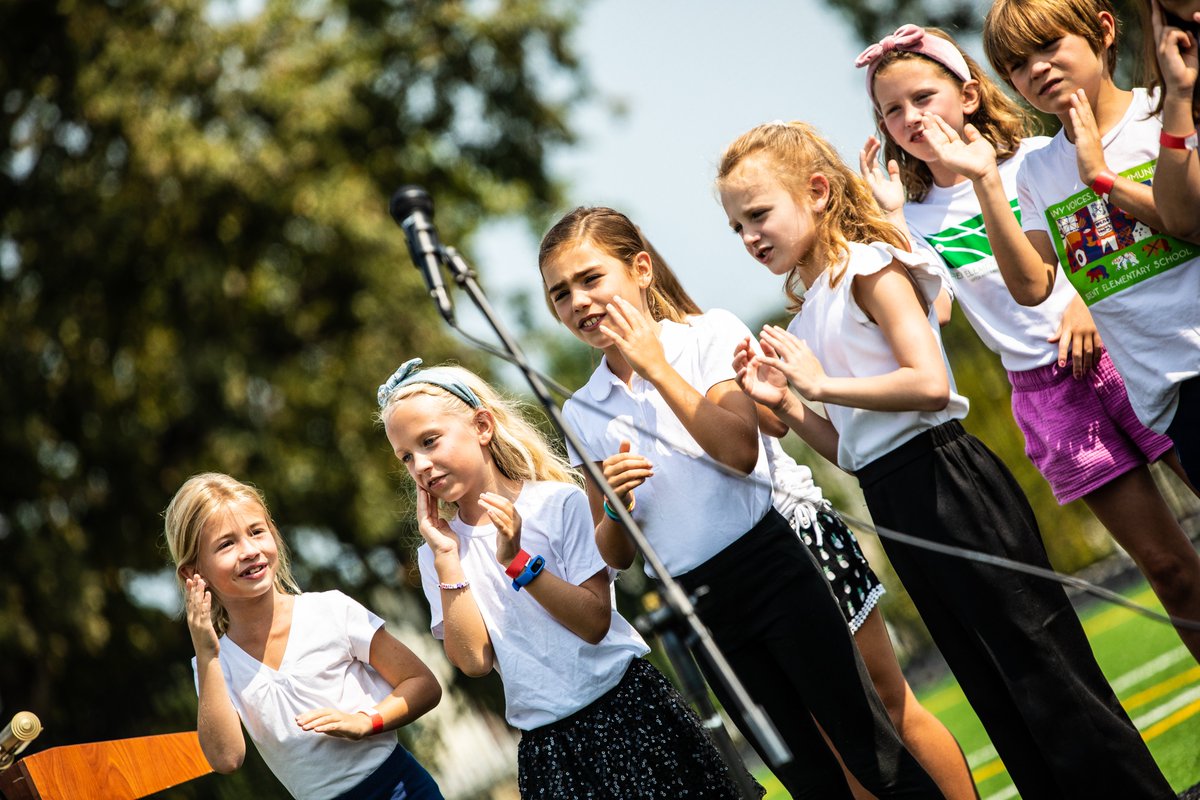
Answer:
(774, 618)
(1185, 429)
(1012, 640)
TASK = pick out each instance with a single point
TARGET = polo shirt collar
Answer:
(673, 338)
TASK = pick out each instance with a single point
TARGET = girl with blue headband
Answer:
(515, 583)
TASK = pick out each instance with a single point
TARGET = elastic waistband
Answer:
(1045, 376)
(924, 442)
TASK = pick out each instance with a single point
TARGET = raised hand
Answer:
(198, 604)
(1089, 149)
(636, 336)
(434, 530)
(886, 186)
(1176, 51)
(793, 358)
(970, 155)
(504, 516)
(625, 471)
(762, 382)
(332, 722)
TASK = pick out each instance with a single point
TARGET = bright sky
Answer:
(692, 76)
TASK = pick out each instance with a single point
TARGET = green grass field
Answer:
(1156, 679)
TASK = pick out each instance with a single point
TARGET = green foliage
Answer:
(197, 272)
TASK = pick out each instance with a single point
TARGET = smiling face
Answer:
(444, 451)
(1050, 74)
(582, 279)
(238, 554)
(909, 88)
(777, 229)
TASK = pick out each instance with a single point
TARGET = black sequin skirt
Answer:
(639, 741)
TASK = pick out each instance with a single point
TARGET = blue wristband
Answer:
(531, 571)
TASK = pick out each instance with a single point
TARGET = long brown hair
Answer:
(798, 152)
(998, 118)
(616, 235)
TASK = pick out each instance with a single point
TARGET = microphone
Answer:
(412, 208)
(16, 736)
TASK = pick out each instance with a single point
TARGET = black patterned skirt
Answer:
(640, 740)
(841, 560)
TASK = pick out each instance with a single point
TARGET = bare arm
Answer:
(722, 421)
(217, 721)
(616, 548)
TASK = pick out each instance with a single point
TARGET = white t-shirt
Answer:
(325, 665)
(693, 507)
(849, 345)
(548, 672)
(949, 222)
(1141, 286)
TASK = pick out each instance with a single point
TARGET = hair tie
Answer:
(410, 372)
(914, 39)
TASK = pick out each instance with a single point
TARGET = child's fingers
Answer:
(971, 133)
(893, 169)
(1156, 19)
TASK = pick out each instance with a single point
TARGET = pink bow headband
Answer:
(914, 39)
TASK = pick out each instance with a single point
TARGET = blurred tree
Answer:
(197, 272)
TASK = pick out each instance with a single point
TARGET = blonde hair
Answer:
(797, 153)
(1000, 120)
(1015, 29)
(518, 449)
(200, 499)
(615, 234)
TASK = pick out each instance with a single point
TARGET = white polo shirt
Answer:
(693, 507)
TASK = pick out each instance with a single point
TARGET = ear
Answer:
(643, 269)
(485, 426)
(1109, 26)
(187, 571)
(971, 97)
(818, 191)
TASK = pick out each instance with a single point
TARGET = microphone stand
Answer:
(675, 621)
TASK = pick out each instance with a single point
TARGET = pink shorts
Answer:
(1081, 434)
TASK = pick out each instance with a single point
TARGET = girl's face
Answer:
(238, 554)
(1052, 73)
(582, 280)
(907, 89)
(444, 452)
(777, 229)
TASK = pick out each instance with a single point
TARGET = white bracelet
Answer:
(453, 586)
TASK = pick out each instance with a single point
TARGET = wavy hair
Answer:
(797, 152)
(201, 498)
(1000, 119)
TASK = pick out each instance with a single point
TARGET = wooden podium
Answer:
(123, 769)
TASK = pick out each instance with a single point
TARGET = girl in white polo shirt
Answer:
(314, 677)
(665, 416)
(515, 583)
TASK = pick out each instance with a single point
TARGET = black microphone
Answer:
(412, 208)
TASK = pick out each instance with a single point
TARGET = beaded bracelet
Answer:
(453, 586)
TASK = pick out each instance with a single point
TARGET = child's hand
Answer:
(1077, 336)
(1089, 149)
(794, 359)
(1177, 54)
(199, 617)
(332, 722)
(625, 471)
(970, 155)
(635, 335)
(763, 383)
(504, 516)
(887, 188)
(434, 530)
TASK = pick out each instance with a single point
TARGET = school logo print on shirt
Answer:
(1103, 250)
(965, 248)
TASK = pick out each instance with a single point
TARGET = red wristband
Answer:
(1103, 184)
(376, 719)
(1174, 142)
(518, 564)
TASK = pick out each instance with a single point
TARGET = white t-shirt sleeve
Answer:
(1033, 211)
(922, 248)
(429, 584)
(722, 333)
(571, 415)
(577, 539)
(361, 625)
(876, 256)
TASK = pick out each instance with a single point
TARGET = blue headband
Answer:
(410, 372)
